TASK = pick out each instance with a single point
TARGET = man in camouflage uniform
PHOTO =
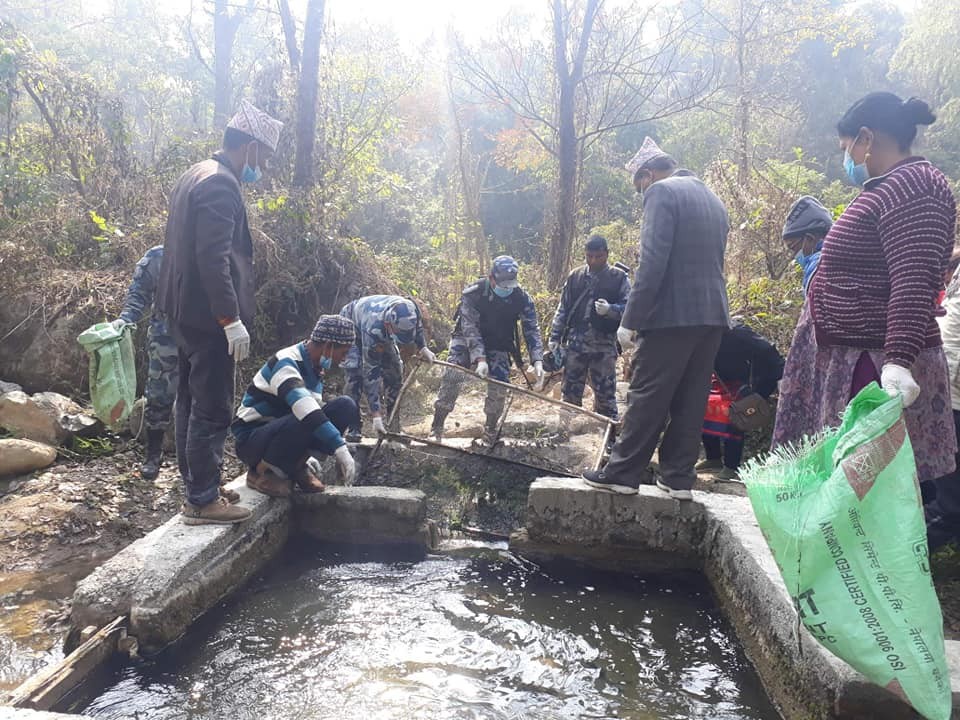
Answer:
(162, 357)
(485, 337)
(373, 365)
(586, 321)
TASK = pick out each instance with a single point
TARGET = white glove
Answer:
(238, 340)
(897, 380)
(120, 324)
(553, 345)
(601, 306)
(427, 354)
(313, 465)
(482, 369)
(348, 468)
(626, 337)
(378, 426)
(538, 369)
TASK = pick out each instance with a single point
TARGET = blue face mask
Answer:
(502, 291)
(251, 174)
(325, 363)
(858, 174)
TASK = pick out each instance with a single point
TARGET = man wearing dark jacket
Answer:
(746, 362)
(206, 291)
(675, 316)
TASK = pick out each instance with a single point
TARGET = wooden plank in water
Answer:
(46, 688)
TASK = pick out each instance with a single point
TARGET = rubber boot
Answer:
(151, 465)
(489, 437)
(436, 429)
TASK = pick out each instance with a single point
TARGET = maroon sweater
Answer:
(883, 262)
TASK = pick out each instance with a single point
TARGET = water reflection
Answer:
(473, 633)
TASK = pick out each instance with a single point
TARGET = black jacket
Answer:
(746, 357)
(207, 270)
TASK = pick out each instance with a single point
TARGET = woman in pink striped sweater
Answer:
(870, 312)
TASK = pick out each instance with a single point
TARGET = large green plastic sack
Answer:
(113, 372)
(843, 517)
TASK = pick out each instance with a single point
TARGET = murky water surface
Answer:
(474, 632)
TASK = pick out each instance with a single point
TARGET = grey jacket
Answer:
(679, 280)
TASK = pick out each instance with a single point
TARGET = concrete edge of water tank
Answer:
(719, 535)
(169, 578)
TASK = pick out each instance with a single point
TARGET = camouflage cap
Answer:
(403, 317)
(505, 271)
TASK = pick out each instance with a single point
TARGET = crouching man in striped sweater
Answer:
(282, 418)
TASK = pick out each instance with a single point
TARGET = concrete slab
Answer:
(366, 516)
(167, 579)
(718, 533)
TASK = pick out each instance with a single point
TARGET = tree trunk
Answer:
(568, 143)
(743, 105)
(307, 94)
(565, 230)
(224, 32)
(289, 35)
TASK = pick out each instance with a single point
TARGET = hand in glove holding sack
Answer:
(238, 340)
(426, 354)
(602, 307)
(483, 369)
(348, 468)
(897, 380)
(626, 337)
(378, 426)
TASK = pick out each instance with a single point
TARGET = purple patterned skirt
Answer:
(819, 382)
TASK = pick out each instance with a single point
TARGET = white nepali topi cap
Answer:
(257, 124)
(647, 152)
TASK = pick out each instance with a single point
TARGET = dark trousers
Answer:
(204, 410)
(947, 496)
(285, 442)
(669, 385)
(727, 448)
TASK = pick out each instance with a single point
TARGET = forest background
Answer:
(423, 138)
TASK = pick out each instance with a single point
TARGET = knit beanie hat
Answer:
(334, 329)
(807, 215)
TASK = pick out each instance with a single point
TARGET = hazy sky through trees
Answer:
(412, 20)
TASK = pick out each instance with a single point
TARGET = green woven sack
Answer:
(113, 372)
(843, 517)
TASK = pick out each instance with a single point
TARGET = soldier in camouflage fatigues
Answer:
(373, 365)
(587, 318)
(484, 336)
(162, 356)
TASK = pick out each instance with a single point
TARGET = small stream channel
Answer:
(471, 632)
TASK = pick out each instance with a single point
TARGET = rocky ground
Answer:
(56, 525)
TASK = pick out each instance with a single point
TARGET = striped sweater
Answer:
(882, 265)
(287, 383)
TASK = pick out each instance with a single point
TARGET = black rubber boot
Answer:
(151, 466)
(436, 428)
